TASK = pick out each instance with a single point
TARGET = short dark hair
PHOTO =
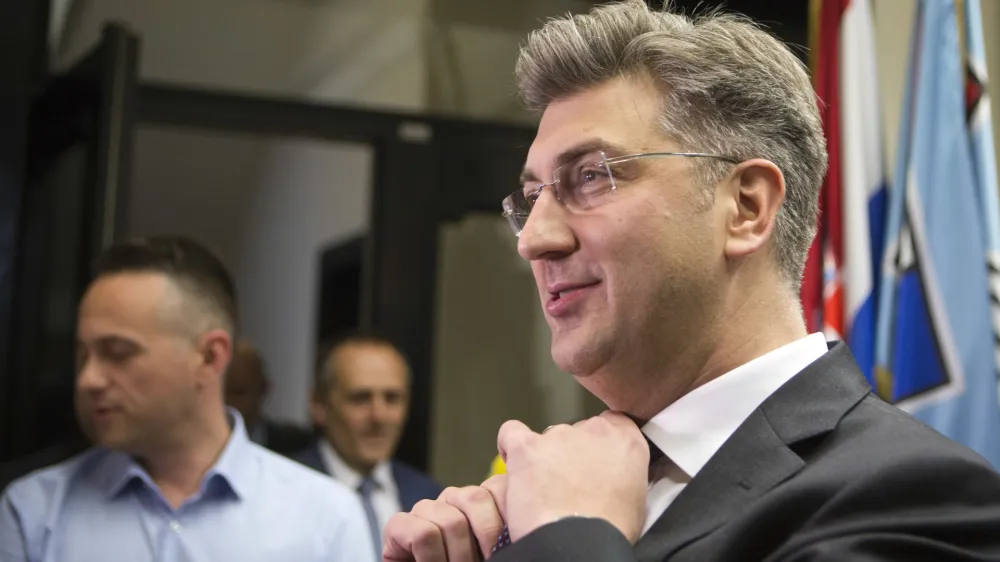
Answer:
(322, 382)
(188, 263)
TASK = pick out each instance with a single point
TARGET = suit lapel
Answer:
(408, 495)
(760, 455)
(727, 483)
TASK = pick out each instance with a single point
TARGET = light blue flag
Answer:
(935, 337)
(983, 156)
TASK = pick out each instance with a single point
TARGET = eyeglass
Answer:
(582, 184)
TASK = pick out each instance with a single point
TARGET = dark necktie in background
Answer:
(655, 454)
(366, 488)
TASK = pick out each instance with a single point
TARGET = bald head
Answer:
(246, 382)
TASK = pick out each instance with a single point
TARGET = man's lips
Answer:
(103, 411)
(560, 290)
(563, 297)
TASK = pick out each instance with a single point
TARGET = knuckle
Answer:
(493, 480)
(464, 497)
(423, 507)
(453, 522)
(469, 498)
(425, 538)
(494, 483)
(475, 495)
(406, 528)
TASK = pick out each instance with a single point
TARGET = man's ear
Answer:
(216, 352)
(317, 410)
(757, 189)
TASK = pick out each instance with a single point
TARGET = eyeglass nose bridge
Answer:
(537, 192)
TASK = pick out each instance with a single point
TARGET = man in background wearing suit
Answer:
(360, 401)
(246, 387)
(667, 206)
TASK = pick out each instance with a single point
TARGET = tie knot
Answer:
(367, 486)
(655, 453)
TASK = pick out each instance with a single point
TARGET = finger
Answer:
(482, 513)
(454, 529)
(512, 435)
(618, 419)
(556, 428)
(497, 487)
(408, 538)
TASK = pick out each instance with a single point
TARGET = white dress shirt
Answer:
(692, 429)
(385, 498)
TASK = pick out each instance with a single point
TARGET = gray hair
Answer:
(729, 88)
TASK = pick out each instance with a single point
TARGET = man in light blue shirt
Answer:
(174, 476)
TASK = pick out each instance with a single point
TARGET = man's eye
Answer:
(592, 179)
(117, 351)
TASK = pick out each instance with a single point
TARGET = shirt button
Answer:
(175, 526)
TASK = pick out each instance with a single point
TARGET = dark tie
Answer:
(655, 454)
(366, 488)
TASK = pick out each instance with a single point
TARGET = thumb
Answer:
(511, 436)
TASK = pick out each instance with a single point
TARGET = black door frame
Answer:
(427, 170)
(63, 224)
(23, 62)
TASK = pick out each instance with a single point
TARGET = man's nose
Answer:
(546, 233)
(90, 377)
(380, 409)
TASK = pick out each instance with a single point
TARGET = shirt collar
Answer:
(233, 468)
(258, 432)
(692, 429)
(343, 473)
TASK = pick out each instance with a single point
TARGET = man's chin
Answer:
(574, 355)
(373, 457)
(114, 440)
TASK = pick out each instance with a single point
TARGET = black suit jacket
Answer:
(412, 484)
(823, 470)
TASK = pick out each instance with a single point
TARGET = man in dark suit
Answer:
(360, 401)
(668, 204)
(246, 389)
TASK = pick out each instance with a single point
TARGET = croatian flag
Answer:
(839, 286)
(935, 339)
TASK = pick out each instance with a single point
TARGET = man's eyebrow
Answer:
(574, 152)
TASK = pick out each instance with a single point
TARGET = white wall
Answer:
(193, 182)
(308, 195)
(280, 47)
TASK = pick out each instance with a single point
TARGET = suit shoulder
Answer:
(876, 441)
(878, 481)
(894, 432)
